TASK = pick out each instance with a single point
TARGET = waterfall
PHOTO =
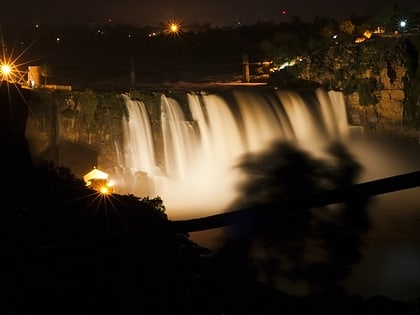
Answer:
(201, 144)
(139, 154)
(202, 135)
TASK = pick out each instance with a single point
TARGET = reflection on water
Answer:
(391, 248)
(392, 245)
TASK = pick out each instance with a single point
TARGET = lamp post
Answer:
(245, 68)
(403, 25)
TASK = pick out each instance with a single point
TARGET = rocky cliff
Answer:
(380, 79)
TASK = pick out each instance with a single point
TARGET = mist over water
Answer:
(192, 167)
(203, 141)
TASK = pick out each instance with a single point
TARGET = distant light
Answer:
(403, 23)
(368, 34)
(284, 12)
(9, 69)
(174, 28)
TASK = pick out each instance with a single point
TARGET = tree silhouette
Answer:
(314, 248)
(69, 249)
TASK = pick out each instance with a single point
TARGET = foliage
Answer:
(282, 47)
(351, 67)
(362, 28)
(116, 104)
(78, 245)
(347, 27)
(286, 173)
(388, 18)
(88, 103)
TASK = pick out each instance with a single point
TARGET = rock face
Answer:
(75, 129)
(375, 77)
(388, 111)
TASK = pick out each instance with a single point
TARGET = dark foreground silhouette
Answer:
(65, 249)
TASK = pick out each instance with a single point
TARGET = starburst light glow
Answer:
(10, 73)
(12, 63)
(104, 190)
(6, 69)
(173, 27)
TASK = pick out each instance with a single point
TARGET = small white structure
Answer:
(94, 174)
(98, 180)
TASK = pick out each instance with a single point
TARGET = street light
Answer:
(6, 72)
(173, 27)
(403, 25)
(6, 69)
(10, 73)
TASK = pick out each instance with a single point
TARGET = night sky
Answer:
(215, 12)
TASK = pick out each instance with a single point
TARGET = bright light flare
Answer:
(10, 73)
(6, 69)
(11, 63)
(104, 190)
(173, 28)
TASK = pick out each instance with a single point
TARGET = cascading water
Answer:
(203, 138)
(197, 176)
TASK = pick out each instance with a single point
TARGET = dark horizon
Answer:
(217, 12)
